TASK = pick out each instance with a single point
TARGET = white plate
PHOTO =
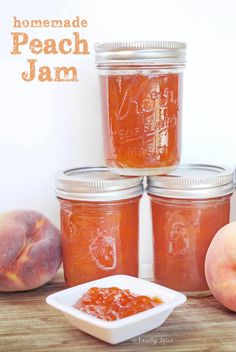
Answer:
(122, 329)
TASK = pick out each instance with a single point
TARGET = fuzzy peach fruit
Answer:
(30, 250)
(220, 266)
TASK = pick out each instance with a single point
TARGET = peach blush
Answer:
(220, 266)
(30, 251)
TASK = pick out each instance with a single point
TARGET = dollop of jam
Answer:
(113, 303)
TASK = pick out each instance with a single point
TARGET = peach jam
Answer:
(112, 303)
(141, 91)
(188, 207)
(99, 223)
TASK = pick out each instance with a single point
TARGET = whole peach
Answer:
(220, 266)
(30, 250)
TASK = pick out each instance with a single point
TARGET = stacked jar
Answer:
(141, 90)
(99, 223)
(188, 206)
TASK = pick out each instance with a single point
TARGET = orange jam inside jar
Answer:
(141, 90)
(112, 303)
(188, 207)
(99, 223)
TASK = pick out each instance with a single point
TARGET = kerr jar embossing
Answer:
(141, 90)
(188, 207)
(99, 223)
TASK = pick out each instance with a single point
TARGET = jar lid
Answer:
(193, 181)
(96, 184)
(139, 51)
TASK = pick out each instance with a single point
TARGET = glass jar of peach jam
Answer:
(99, 223)
(188, 207)
(141, 90)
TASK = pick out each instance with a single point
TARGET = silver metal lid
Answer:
(96, 184)
(138, 51)
(193, 181)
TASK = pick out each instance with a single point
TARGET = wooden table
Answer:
(28, 324)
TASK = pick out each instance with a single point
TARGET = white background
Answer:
(49, 126)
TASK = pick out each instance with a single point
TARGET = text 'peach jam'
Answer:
(99, 223)
(141, 89)
(113, 303)
(188, 207)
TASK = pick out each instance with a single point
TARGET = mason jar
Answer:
(141, 96)
(99, 223)
(188, 207)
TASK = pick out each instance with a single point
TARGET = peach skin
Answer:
(220, 266)
(30, 250)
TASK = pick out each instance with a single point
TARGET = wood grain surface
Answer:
(28, 324)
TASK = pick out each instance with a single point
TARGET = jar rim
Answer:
(165, 52)
(96, 184)
(195, 181)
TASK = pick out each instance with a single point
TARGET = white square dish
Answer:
(123, 329)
